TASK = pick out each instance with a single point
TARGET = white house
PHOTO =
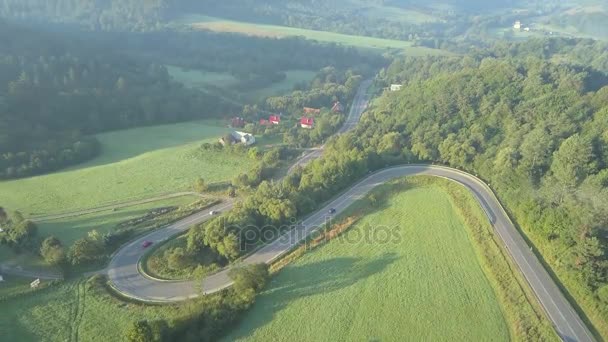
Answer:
(517, 25)
(396, 87)
(245, 138)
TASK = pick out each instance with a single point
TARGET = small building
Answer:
(1, 278)
(237, 122)
(264, 122)
(238, 138)
(35, 284)
(337, 108)
(396, 87)
(517, 25)
(308, 110)
(244, 138)
(275, 119)
(307, 122)
(527, 29)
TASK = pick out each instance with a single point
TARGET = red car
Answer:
(147, 244)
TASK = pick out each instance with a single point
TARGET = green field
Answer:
(201, 79)
(292, 78)
(274, 31)
(204, 80)
(71, 229)
(427, 286)
(135, 163)
(72, 312)
(14, 285)
(438, 275)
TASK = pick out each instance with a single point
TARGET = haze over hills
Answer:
(444, 159)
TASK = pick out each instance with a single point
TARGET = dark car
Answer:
(332, 211)
(146, 244)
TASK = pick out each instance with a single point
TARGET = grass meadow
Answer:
(442, 278)
(431, 283)
(72, 311)
(135, 163)
(274, 31)
(205, 80)
(201, 79)
(71, 229)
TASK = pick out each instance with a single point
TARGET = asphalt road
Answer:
(125, 277)
(123, 270)
(359, 105)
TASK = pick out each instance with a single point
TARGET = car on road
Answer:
(147, 244)
(213, 212)
(332, 211)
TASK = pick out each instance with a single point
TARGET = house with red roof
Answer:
(307, 122)
(237, 122)
(275, 119)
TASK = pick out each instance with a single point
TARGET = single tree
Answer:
(250, 277)
(52, 251)
(201, 186)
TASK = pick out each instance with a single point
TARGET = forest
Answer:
(531, 119)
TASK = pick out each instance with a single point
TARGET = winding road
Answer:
(127, 279)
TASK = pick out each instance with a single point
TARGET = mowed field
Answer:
(424, 284)
(275, 31)
(134, 164)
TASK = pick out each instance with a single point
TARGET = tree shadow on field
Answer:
(309, 280)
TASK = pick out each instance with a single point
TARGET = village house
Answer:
(396, 87)
(237, 122)
(517, 25)
(275, 119)
(307, 122)
(238, 138)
